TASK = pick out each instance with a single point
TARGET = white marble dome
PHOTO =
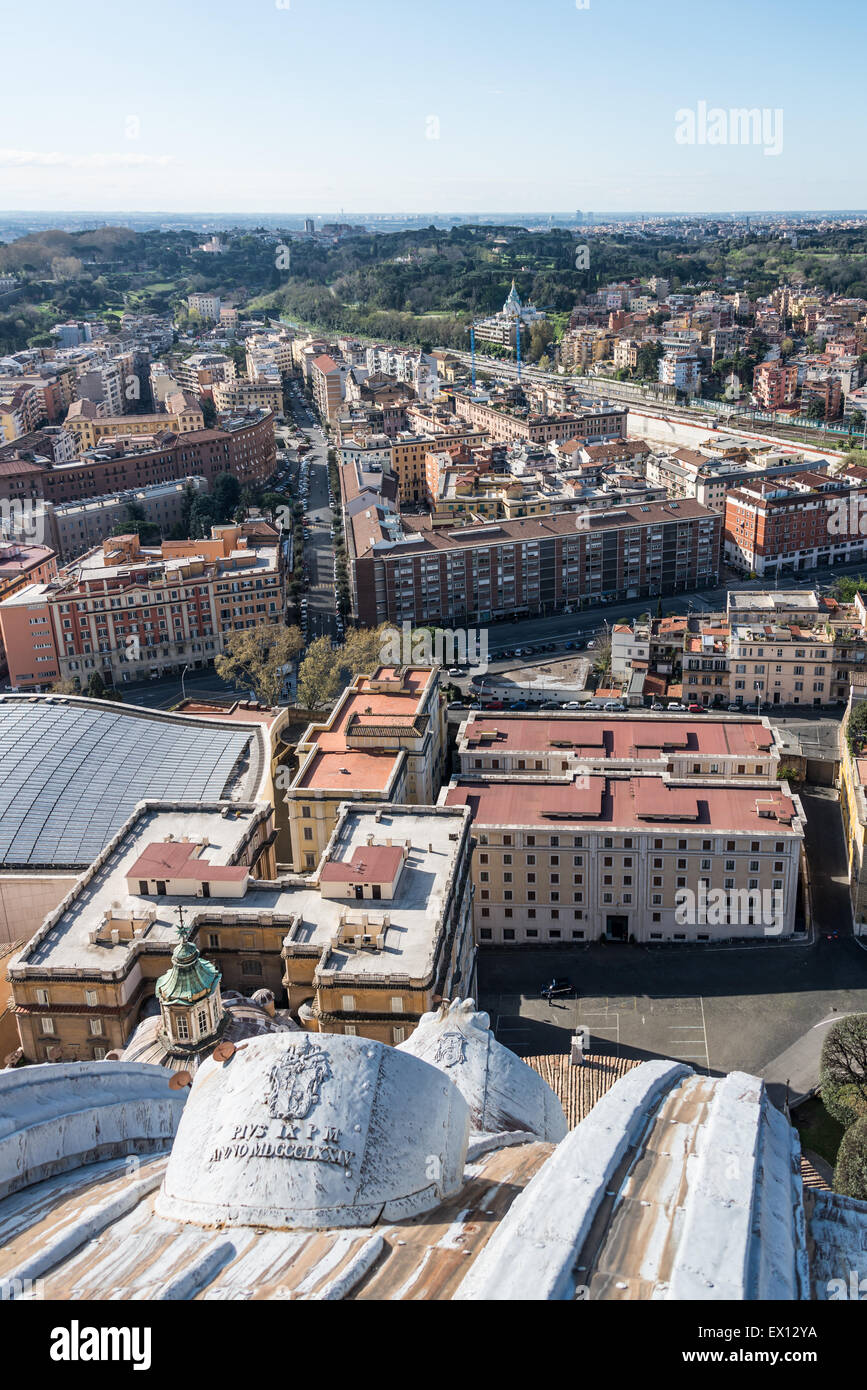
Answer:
(503, 1093)
(315, 1130)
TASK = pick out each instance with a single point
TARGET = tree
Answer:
(326, 670)
(850, 1173)
(209, 412)
(225, 496)
(318, 681)
(256, 659)
(843, 1070)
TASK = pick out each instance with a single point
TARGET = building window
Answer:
(347, 1003)
(47, 1025)
(251, 967)
(485, 934)
(42, 996)
(508, 933)
(96, 1027)
(397, 1003)
(181, 1028)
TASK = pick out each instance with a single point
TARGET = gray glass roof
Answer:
(71, 775)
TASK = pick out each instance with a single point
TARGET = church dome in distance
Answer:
(315, 1130)
(503, 1093)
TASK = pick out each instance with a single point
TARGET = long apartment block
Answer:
(413, 572)
(566, 744)
(587, 857)
(130, 612)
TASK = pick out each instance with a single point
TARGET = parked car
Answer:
(677, 706)
(456, 671)
(614, 706)
(657, 704)
(560, 985)
(572, 704)
(696, 708)
(494, 704)
(736, 709)
(518, 704)
(455, 704)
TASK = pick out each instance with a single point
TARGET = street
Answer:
(318, 542)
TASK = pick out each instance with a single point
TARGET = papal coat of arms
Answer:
(450, 1049)
(296, 1080)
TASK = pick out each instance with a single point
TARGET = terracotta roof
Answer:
(177, 859)
(370, 864)
(633, 802)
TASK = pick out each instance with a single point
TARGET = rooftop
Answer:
(72, 770)
(68, 940)
(619, 738)
(630, 803)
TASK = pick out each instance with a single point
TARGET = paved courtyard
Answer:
(762, 1008)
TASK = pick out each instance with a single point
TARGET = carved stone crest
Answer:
(451, 1049)
(296, 1081)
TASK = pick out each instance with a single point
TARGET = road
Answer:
(319, 545)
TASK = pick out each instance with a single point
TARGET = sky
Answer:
(329, 106)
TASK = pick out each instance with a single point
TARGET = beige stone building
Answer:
(631, 857)
(374, 938)
(384, 740)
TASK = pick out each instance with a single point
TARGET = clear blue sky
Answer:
(328, 105)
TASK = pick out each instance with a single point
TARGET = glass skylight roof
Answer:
(70, 776)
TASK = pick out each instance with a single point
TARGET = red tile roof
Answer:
(176, 859)
(623, 738)
(373, 864)
(635, 803)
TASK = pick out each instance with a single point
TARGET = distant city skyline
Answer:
(618, 105)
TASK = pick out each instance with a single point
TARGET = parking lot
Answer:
(718, 1008)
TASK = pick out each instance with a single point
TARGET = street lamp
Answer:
(183, 673)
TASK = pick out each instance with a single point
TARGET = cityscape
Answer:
(433, 680)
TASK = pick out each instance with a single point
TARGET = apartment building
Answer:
(200, 373)
(80, 983)
(366, 944)
(596, 422)
(408, 570)
(791, 665)
(799, 522)
(74, 527)
(327, 380)
(242, 445)
(560, 744)
(384, 740)
(207, 306)
(389, 934)
(131, 612)
(680, 370)
(89, 427)
(775, 385)
(249, 395)
(563, 859)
